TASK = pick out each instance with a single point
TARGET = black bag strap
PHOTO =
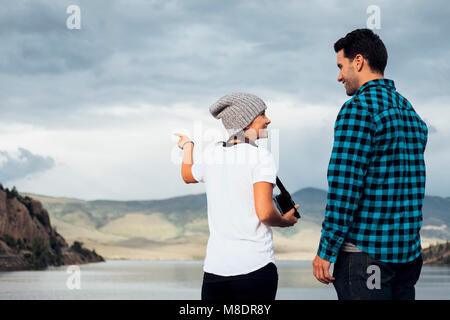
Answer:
(282, 188)
(238, 136)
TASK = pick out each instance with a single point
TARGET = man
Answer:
(376, 179)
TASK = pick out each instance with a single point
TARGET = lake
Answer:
(173, 280)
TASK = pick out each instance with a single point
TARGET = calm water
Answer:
(177, 280)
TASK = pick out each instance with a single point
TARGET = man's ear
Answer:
(358, 62)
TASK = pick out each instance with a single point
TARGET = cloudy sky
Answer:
(90, 113)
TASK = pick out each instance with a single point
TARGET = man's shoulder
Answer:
(375, 101)
(356, 105)
(379, 98)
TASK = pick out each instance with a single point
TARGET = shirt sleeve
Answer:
(198, 172)
(266, 168)
(198, 169)
(352, 148)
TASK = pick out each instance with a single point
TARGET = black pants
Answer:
(359, 277)
(258, 285)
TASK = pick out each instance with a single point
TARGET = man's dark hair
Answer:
(367, 44)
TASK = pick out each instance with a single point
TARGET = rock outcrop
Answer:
(438, 254)
(27, 239)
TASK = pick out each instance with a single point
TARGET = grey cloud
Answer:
(26, 163)
(30, 17)
(164, 52)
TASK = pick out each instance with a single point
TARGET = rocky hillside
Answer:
(27, 239)
(437, 254)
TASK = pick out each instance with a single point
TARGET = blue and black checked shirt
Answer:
(376, 176)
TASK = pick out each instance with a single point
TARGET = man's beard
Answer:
(352, 83)
(350, 91)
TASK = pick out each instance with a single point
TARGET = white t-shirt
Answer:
(238, 243)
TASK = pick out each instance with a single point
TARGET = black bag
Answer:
(284, 201)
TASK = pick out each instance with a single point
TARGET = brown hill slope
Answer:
(27, 239)
(437, 254)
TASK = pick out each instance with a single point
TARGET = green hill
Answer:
(177, 228)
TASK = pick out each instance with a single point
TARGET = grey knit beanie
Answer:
(237, 110)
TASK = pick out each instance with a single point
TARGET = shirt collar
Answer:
(375, 83)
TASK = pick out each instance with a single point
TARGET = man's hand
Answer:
(321, 269)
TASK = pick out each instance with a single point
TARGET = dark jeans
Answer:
(359, 277)
(257, 285)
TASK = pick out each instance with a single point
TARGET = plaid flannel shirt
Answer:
(376, 176)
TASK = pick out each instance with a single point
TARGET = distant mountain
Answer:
(98, 213)
(436, 217)
(435, 211)
(177, 228)
(312, 203)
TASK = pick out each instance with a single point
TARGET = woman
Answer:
(239, 177)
